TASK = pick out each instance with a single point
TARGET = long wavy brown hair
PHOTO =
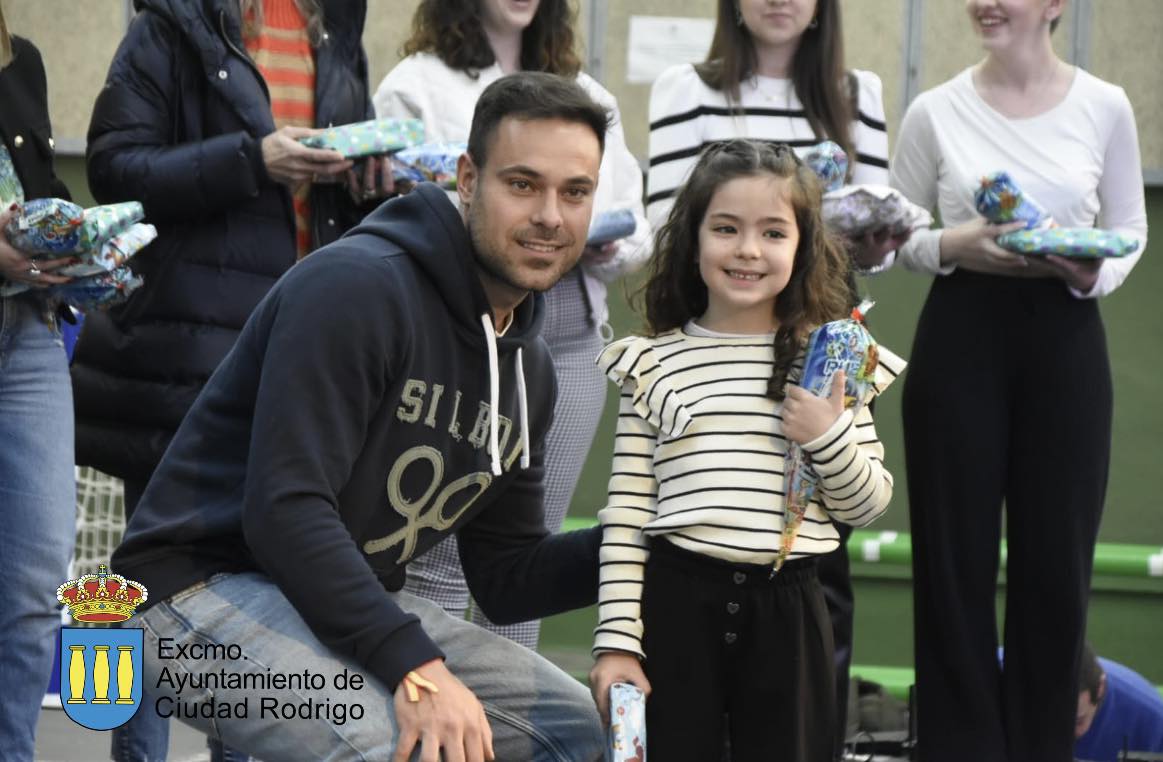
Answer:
(826, 90)
(816, 292)
(5, 40)
(453, 31)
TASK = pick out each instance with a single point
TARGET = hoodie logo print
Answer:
(424, 512)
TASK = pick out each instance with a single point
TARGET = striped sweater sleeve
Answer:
(675, 138)
(632, 503)
(855, 487)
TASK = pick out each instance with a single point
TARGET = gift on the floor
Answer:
(113, 253)
(829, 162)
(858, 209)
(999, 199)
(428, 163)
(371, 138)
(98, 291)
(611, 226)
(839, 345)
(1079, 243)
(627, 735)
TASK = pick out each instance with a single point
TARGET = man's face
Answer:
(1086, 711)
(529, 207)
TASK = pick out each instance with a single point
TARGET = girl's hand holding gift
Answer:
(375, 181)
(615, 667)
(869, 250)
(807, 417)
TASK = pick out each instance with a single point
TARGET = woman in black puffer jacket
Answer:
(184, 124)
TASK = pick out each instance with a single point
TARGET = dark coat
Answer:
(24, 122)
(178, 126)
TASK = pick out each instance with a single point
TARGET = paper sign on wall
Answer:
(658, 42)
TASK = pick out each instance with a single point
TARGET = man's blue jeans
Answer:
(301, 702)
(37, 510)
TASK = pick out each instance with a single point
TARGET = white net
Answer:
(100, 519)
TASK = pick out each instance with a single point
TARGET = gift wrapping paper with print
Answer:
(837, 345)
(53, 227)
(829, 162)
(999, 199)
(627, 734)
(371, 138)
(113, 253)
(611, 226)
(1080, 243)
(857, 209)
(98, 291)
(428, 163)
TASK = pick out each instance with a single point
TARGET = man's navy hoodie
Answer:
(348, 431)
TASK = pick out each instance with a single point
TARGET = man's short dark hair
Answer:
(532, 95)
(1089, 673)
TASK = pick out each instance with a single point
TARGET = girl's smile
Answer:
(747, 244)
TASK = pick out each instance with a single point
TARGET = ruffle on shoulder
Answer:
(632, 364)
(889, 365)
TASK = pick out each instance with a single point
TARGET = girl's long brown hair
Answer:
(817, 290)
(5, 40)
(826, 90)
(453, 31)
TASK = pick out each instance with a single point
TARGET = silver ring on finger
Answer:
(33, 271)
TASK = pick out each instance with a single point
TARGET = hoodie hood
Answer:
(426, 227)
(429, 229)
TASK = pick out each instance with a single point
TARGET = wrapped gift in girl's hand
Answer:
(838, 345)
(371, 138)
(611, 226)
(1000, 200)
(627, 736)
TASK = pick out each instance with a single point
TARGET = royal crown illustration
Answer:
(102, 597)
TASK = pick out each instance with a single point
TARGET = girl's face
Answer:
(1011, 24)
(777, 23)
(747, 246)
(508, 15)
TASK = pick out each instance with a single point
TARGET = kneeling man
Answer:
(391, 389)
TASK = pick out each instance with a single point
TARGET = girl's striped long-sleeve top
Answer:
(699, 457)
(686, 116)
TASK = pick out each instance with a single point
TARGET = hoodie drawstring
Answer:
(495, 398)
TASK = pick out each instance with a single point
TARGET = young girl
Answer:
(776, 72)
(1043, 447)
(456, 50)
(743, 272)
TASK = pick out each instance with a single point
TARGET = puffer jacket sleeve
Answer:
(131, 155)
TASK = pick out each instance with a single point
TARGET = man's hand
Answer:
(448, 724)
(290, 162)
(807, 417)
(15, 265)
(615, 667)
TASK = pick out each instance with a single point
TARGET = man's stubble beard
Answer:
(489, 260)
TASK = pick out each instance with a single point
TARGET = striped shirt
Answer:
(686, 115)
(699, 457)
(282, 51)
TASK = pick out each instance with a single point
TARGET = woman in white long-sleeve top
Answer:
(457, 48)
(1008, 397)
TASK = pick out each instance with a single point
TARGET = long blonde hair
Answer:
(5, 40)
(311, 10)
